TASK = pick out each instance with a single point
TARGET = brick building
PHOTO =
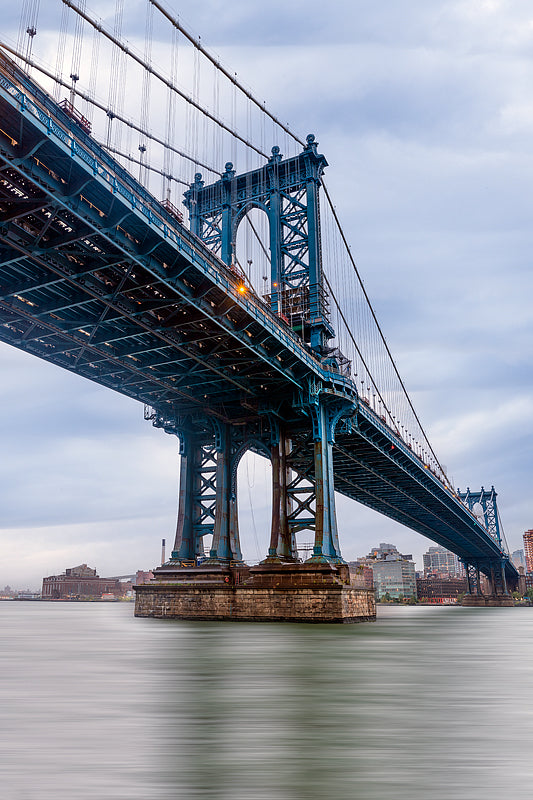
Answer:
(445, 590)
(80, 583)
(528, 550)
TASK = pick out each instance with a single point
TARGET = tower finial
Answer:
(229, 173)
(311, 143)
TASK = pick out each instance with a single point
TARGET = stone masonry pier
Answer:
(487, 600)
(268, 592)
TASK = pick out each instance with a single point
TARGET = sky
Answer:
(425, 114)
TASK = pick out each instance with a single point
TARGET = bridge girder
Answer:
(164, 321)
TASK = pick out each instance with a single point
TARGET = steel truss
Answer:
(302, 482)
(288, 191)
(98, 278)
(494, 570)
(487, 501)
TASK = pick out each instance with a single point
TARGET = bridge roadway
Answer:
(97, 277)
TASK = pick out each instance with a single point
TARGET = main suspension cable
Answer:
(354, 265)
(108, 111)
(162, 78)
(142, 164)
(233, 78)
(261, 105)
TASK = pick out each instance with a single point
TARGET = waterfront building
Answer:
(78, 583)
(439, 561)
(384, 550)
(393, 572)
(436, 589)
(528, 550)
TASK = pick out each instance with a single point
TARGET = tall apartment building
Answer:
(439, 561)
(518, 559)
(528, 550)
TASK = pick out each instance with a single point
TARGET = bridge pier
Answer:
(281, 587)
(265, 593)
(498, 594)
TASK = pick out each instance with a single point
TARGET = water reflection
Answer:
(412, 707)
(426, 703)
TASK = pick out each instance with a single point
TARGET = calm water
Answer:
(425, 704)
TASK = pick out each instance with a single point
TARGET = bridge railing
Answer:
(121, 183)
(399, 443)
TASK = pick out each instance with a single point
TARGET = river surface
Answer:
(425, 704)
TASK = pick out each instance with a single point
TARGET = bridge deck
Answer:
(97, 277)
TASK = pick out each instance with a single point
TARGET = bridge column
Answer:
(493, 585)
(498, 578)
(226, 546)
(473, 578)
(326, 546)
(184, 544)
(468, 581)
(504, 578)
(282, 539)
(276, 263)
(196, 498)
(226, 252)
(195, 220)
(320, 331)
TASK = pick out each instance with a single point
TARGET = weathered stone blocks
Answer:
(281, 592)
(487, 600)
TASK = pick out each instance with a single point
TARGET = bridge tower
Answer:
(288, 191)
(495, 570)
(487, 501)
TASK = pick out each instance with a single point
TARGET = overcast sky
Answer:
(425, 114)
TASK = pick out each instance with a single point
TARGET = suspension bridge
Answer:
(241, 323)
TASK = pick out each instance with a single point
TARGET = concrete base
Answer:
(485, 600)
(273, 591)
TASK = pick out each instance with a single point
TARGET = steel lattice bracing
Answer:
(99, 281)
(98, 278)
(487, 501)
(287, 190)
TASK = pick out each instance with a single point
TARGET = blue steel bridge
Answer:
(100, 278)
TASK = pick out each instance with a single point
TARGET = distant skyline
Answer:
(425, 115)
